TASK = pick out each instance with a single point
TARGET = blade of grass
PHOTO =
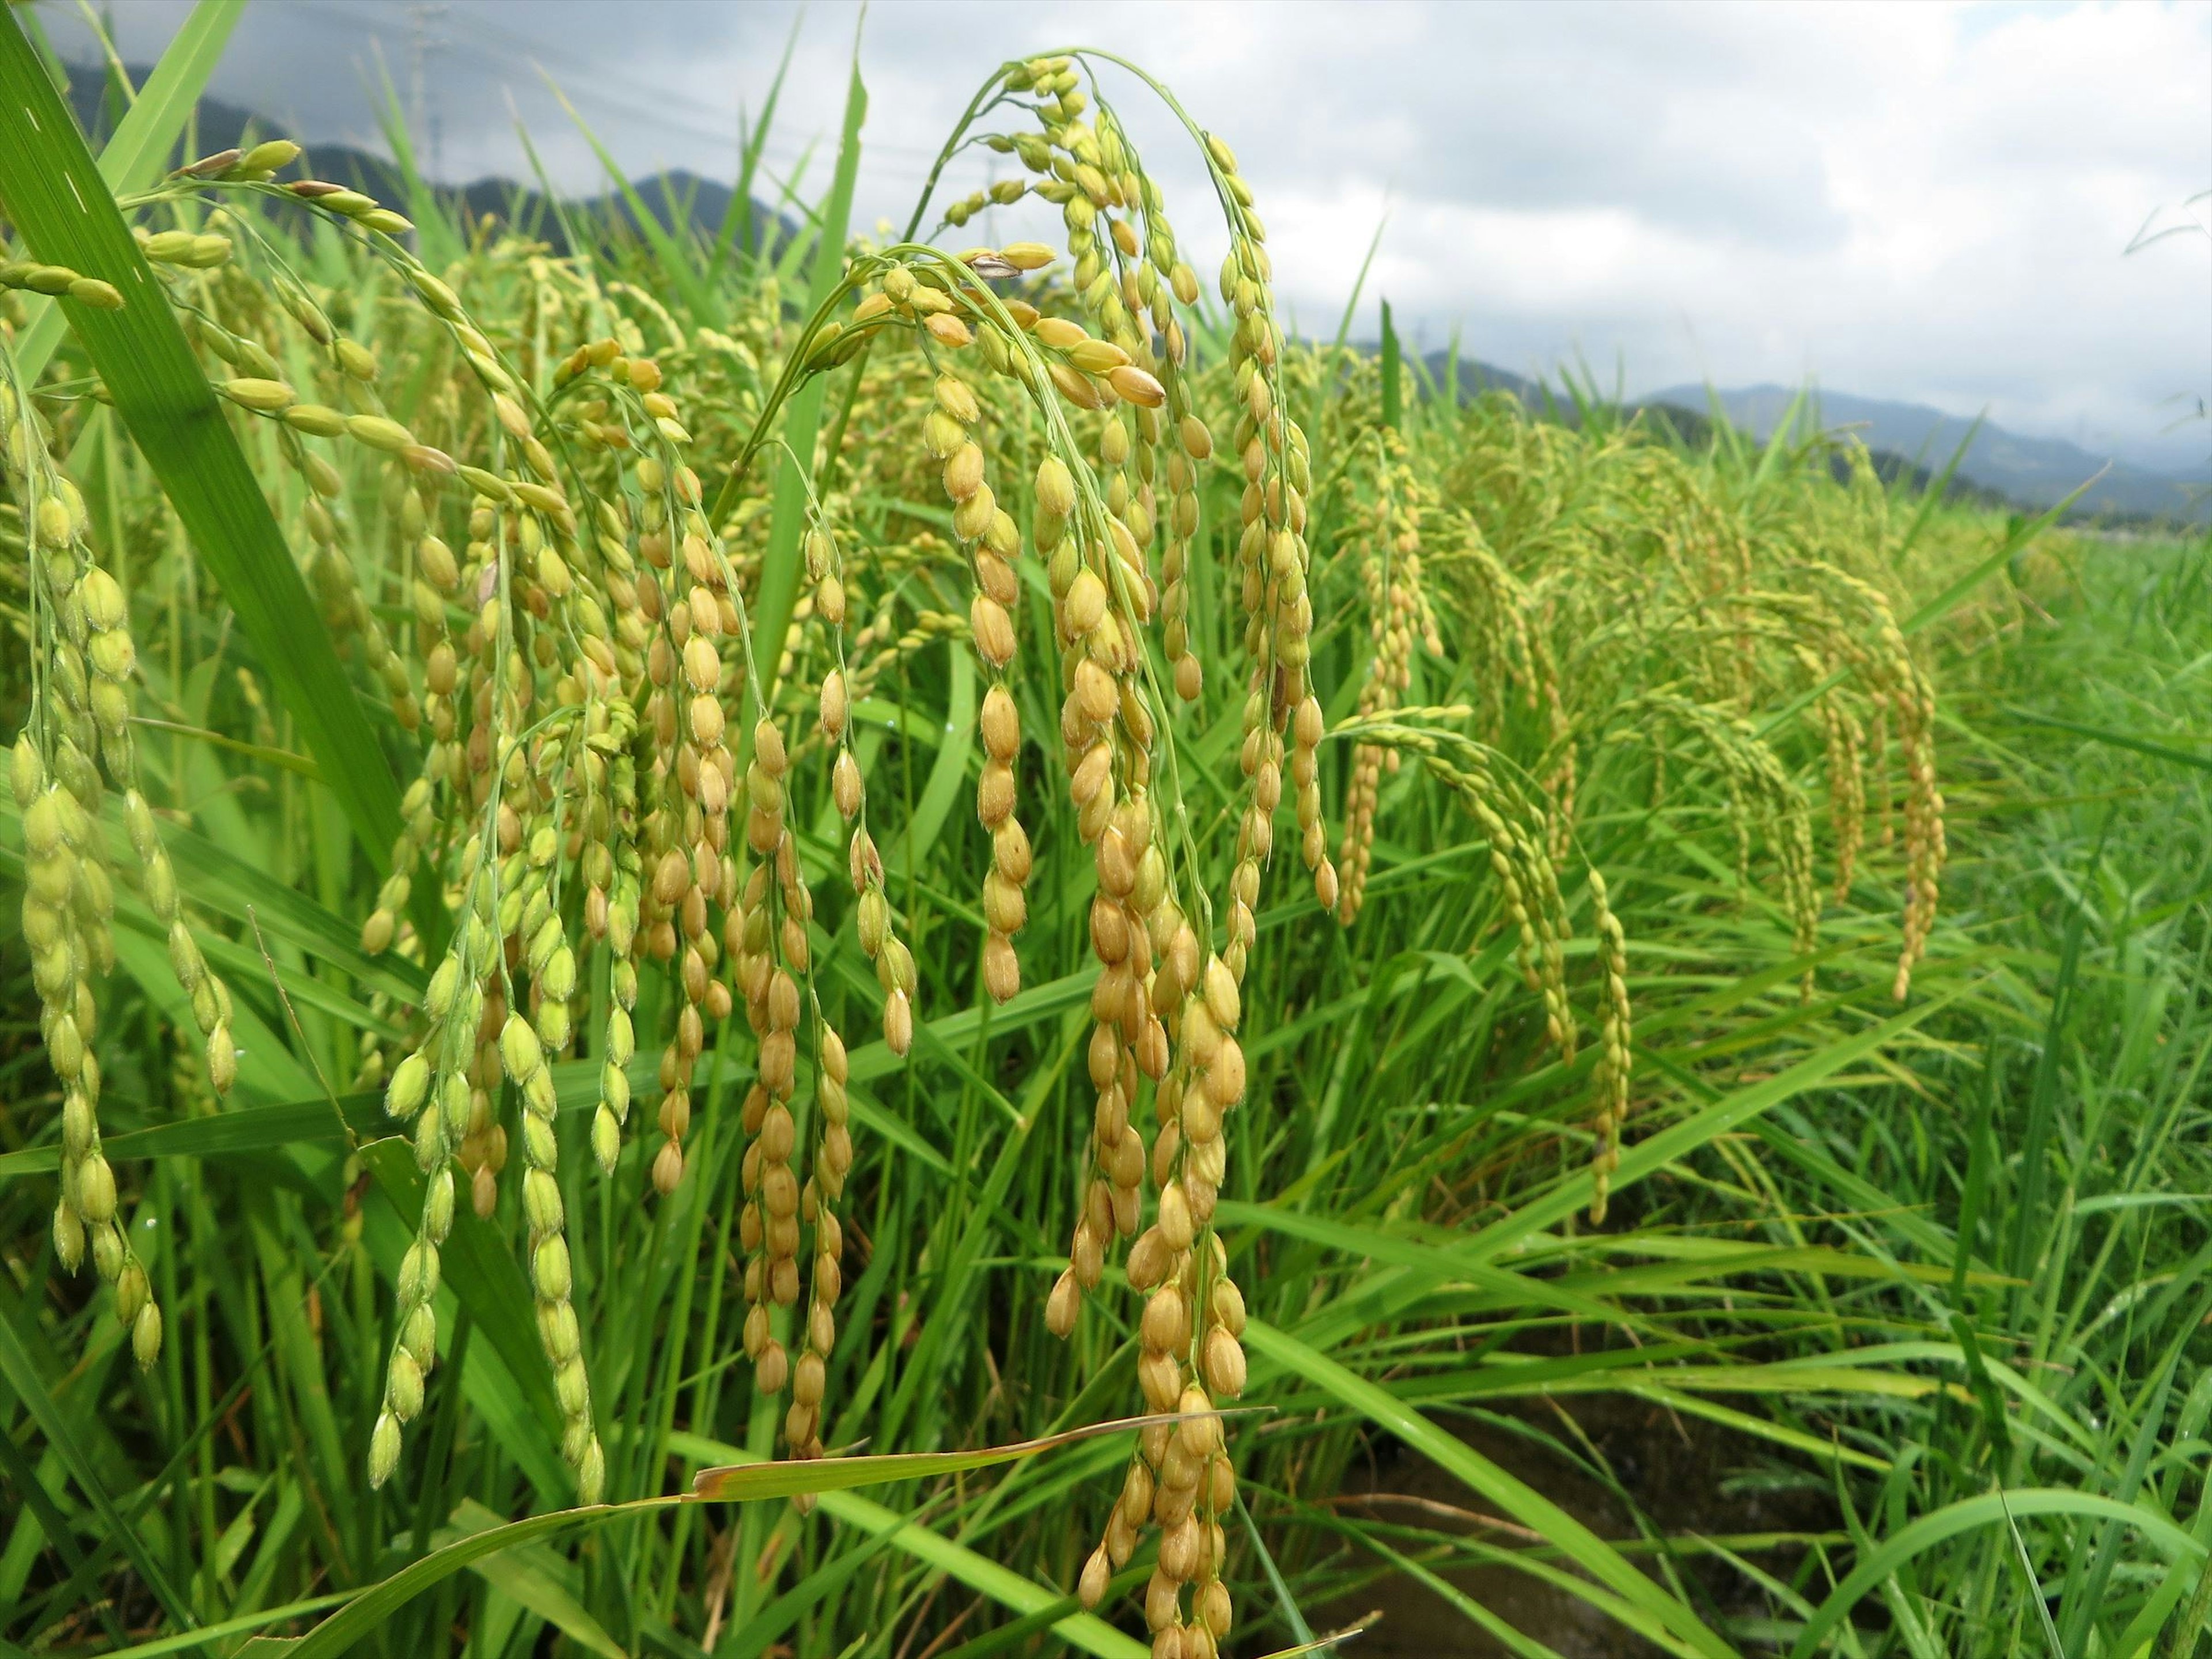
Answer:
(1779, 442)
(1513, 1641)
(1523, 1502)
(132, 158)
(1009, 1588)
(2017, 537)
(369, 1610)
(1938, 487)
(738, 227)
(2117, 739)
(1391, 415)
(23, 1474)
(780, 569)
(243, 1624)
(530, 1575)
(750, 1479)
(438, 239)
(1971, 1514)
(673, 253)
(745, 1482)
(68, 216)
(21, 1373)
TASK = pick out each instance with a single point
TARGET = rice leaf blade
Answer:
(1518, 1499)
(58, 200)
(21, 1374)
(132, 157)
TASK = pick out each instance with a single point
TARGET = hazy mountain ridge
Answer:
(670, 198)
(2032, 472)
(1908, 440)
(1690, 424)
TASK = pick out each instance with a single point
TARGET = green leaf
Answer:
(242, 963)
(1386, 1294)
(437, 238)
(1514, 1641)
(2117, 739)
(67, 214)
(1938, 487)
(229, 885)
(672, 252)
(531, 1576)
(752, 1479)
(1647, 1156)
(245, 1625)
(22, 1375)
(1436, 1262)
(234, 1131)
(779, 585)
(739, 217)
(2018, 536)
(1083, 1630)
(1990, 1509)
(299, 765)
(946, 773)
(2016, 539)
(1985, 1390)
(266, 1065)
(367, 1611)
(743, 1482)
(142, 141)
(1390, 364)
(759, 1633)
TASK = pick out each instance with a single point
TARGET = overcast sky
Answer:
(1927, 202)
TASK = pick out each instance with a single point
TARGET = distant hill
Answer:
(1690, 422)
(1908, 440)
(671, 197)
(1476, 377)
(2032, 472)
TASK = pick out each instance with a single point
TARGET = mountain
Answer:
(1477, 377)
(2032, 471)
(671, 198)
(1686, 422)
(1907, 439)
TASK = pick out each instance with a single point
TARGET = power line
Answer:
(423, 38)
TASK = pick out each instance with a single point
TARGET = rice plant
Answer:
(556, 1094)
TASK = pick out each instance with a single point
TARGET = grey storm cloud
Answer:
(1928, 202)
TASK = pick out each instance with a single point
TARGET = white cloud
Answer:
(1925, 202)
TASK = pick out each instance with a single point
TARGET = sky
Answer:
(1927, 202)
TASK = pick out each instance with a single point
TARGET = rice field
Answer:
(907, 946)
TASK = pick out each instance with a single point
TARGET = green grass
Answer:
(1936, 1270)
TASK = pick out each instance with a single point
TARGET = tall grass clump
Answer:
(582, 683)
(511, 996)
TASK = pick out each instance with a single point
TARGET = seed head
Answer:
(1055, 487)
(383, 1448)
(1086, 603)
(146, 1336)
(519, 1050)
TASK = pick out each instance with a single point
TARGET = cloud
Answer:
(1926, 202)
